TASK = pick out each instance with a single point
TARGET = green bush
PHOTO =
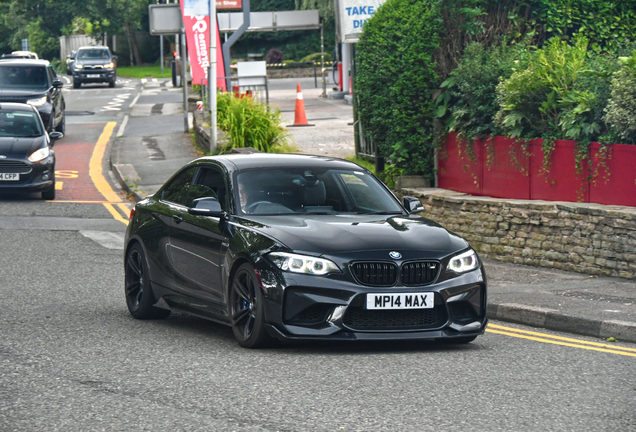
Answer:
(621, 108)
(250, 123)
(316, 57)
(468, 102)
(395, 80)
(542, 100)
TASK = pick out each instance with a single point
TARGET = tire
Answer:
(139, 295)
(247, 309)
(111, 84)
(62, 126)
(76, 84)
(49, 195)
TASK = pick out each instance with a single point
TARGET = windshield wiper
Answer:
(319, 213)
(382, 213)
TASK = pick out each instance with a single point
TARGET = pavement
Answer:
(152, 146)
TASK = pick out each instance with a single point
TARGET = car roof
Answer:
(12, 106)
(24, 62)
(274, 160)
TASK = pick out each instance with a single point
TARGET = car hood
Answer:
(19, 148)
(354, 233)
(25, 93)
(93, 61)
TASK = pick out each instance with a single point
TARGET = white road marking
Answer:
(110, 240)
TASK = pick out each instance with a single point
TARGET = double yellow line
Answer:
(559, 340)
(97, 175)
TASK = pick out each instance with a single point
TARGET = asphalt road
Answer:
(72, 359)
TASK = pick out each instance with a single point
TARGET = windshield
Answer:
(19, 124)
(312, 190)
(23, 76)
(93, 54)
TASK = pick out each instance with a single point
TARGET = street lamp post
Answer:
(212, 76)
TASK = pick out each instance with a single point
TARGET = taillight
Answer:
(132, 213)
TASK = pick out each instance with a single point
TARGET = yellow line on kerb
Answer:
(97, 175)
(558, 340)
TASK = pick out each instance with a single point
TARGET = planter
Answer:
(456, 170)
(561, 182)
(503, 169)
(506, 171)
(616, 179)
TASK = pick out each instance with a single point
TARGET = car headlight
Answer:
(109, 65)
(303, 264)
(465, 262)
(40, 154)
(79, 66)
(38, 101)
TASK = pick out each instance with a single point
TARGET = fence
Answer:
(255, 86)
(69, 44)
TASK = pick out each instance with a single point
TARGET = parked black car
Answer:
(34, 82)
(299, 247)
(94, 64)
(27, 160)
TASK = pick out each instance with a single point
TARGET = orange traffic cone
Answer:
(299, 113)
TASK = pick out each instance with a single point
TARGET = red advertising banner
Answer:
(229, 4)
(197, 30)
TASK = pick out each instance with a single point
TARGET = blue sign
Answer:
(196, 7)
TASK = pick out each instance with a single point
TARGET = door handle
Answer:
(177, 219)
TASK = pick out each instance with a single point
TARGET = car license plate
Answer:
(400, 301)
(9, 176)
(93, 76)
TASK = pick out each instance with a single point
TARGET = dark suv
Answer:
(94, 64)
(34, 82)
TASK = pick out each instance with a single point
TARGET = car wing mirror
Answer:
(413, 205)
(56, 135)
(58, 84)
(207, 206)
(114, 57)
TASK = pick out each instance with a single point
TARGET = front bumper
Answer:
(88, 76)
(311, 307)
(34, 177)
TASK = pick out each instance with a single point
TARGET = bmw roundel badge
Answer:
(395, 255)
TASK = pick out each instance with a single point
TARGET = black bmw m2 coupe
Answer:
(295, 247)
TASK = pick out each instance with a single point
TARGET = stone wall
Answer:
(587, 238)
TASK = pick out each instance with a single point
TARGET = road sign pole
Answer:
(212, 76)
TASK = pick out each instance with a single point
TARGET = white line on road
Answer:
(120, 132)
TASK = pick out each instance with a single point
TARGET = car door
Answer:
(56, 96)
(170, 205)
(198, 243)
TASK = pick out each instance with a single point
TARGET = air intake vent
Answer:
(419, 273)
(413, 319)
(375, 273)
(10, 166)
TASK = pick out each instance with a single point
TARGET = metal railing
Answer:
(253, 89)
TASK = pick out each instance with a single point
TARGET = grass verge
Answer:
(143, 72)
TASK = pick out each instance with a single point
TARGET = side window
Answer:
(177, 190)
(208, 183)
(53, 74)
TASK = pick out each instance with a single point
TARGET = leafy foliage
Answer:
(545, 99)
(468, 101)
(250, 123)
(395, 80)
(621, 108)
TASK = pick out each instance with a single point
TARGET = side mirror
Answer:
(58, 84)
(207, 206)
(413, 205)
(56, 135)
(114, 57)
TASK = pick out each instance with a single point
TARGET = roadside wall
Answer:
(586, 238)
